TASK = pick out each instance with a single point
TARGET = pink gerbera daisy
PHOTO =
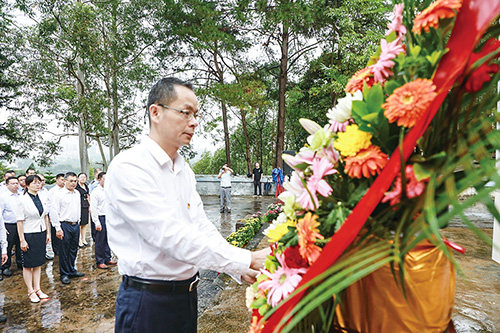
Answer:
(282, 282)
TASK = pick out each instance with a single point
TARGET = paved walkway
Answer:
(87, 304)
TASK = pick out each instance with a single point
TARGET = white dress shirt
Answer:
(28, 213)
(156, 222)
(8, 205)
(97, 204)
(64, 206)
(3, 236)
(225, 178)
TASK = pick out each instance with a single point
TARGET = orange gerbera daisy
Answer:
(357, 80)
(307, 230)
(367, 162)
(429, 17)
(409, 102)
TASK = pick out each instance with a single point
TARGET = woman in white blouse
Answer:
(34, 234)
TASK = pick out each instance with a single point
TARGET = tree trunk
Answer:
(220, 78)
(103, 156)
(226, 133)
(280, 135)
(82, 133)
(247, 139)
(115, 122)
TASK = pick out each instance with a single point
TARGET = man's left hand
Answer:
(4, 258)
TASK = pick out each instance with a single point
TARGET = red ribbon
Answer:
(471, 23)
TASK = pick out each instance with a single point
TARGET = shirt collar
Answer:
(162, 157)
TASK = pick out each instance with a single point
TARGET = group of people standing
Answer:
(41, 223)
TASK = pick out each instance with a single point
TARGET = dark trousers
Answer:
(12, 240)
(68, 249)
(145, 311)
(257, 185)
(92, 228)
(56, 242)
(102, 251)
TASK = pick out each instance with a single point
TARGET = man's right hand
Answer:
(98, 227)
(259, 258)
(60, 234)
(250, 276)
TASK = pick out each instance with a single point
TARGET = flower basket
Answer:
(377, 303)
(370, 190)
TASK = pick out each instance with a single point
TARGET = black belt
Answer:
(226, 186)
(159, 286)
(68, 222)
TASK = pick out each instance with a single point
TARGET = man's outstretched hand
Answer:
(258, 258)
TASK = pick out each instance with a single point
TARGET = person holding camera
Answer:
(225, 188)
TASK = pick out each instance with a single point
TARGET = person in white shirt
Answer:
(97, 205)
(8, 204)
(34, 234)
(56, 188)
(49, 253)
(157, 226)
(3, 246)
(65, 217)
(22, 184)
(225, 188)
(95, 182)
(7, 174)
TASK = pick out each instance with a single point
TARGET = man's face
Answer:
(43, 180)
(70, 182)
(257, 165)
(60, 181)
(13, 185)
(30, 172)
(101, 181)
(9, 174)
(173, 129)
(22, 181)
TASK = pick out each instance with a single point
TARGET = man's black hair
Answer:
(69, 174)
(9, 171)
(99, 176)
(164, 92)
(7, 181)
(59, 175)
(29, 170)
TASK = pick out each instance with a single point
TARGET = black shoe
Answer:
(7, 272)
(222, 211)
(81, 246)
(3, 319)
(65, 280)
(1, 277)
(76, 275)
(228, 211)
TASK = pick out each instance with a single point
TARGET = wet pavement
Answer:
(87, 304)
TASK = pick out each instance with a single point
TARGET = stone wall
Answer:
(240, 185)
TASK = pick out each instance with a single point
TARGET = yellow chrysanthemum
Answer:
(275, 232)
(350, 142)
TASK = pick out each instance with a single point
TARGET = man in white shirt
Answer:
(225, 188)
(94, 183)
(59, 186)
(22, 184)
(157, 226)
(3, 246)
(7, 174)
(8, 204)
(97, 205)
(65, 217)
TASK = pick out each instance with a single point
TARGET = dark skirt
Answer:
(35, 255)
(84, 216)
